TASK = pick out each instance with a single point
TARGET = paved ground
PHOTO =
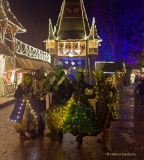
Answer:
(6, 101)
(127, 140)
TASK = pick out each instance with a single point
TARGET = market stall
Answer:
(7, 75)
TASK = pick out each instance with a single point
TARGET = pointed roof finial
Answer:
(51, 30)
(93, 32)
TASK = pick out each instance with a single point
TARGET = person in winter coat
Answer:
(140, 91)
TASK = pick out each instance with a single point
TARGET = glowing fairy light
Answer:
(71, 55)
(66, 62)
(73, 63)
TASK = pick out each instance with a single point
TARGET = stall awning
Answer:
(108, 67)
(29, 64)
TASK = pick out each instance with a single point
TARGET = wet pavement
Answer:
(127, 139)
(4, 101)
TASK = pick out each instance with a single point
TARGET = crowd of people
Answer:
(54, 101)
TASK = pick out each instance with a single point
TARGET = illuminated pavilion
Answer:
(72, 41)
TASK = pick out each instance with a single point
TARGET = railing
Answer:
(31, 52)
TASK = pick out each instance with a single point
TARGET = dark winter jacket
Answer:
(141, 88)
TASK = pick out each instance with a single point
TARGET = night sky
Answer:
(34, 15)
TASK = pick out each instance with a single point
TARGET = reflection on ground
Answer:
(127, 138)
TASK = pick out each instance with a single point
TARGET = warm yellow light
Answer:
(71, 55)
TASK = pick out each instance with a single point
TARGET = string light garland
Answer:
(31, 52)
(61, 16)
(84, 14)
(19, 111)
(25, 103)
(20, 47)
